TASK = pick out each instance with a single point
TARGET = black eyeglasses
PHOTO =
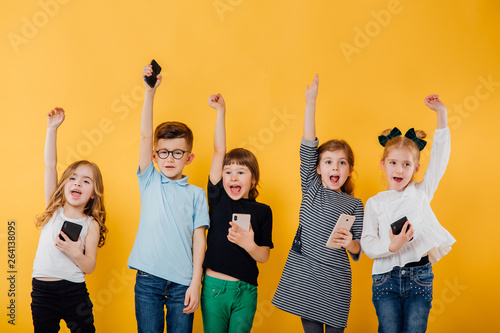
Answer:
(176, 153)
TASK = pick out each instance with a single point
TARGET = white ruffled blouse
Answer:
(413, 202)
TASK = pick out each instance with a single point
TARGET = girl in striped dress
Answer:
(316, 281)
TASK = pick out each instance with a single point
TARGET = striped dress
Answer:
(316, 284)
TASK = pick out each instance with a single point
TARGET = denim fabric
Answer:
(152, 294)
(56, 300)
(227, 306)
(402, 299)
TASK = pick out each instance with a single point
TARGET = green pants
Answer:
(227, 306)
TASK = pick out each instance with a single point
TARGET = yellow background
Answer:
(377, 61)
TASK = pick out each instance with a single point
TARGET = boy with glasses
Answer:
(170, 243)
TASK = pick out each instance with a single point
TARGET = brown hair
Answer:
(242, 156)
(94, 207)
(174, 130)
(334, 145)
(403, 142)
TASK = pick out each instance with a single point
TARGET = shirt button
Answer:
(402, 272)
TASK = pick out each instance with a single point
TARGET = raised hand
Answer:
(148, 71)
(312, 91)
(217, 102)
(434, 103)
(55, 117)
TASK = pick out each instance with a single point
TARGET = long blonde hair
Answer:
(94, 207)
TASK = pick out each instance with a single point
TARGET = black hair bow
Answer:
(410, 134)
(382, 139)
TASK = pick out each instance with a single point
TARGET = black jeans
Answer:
(52, 301)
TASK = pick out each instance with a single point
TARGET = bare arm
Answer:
(218, 103)
(259, 253)
(85, 261)
(434, 103)
(310, 111)
(55, 119)
(192, 299)
(146, 135)
(245, 239)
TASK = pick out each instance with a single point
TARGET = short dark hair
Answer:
(242, 156)
(174, 130)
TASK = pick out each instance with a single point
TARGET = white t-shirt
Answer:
(414, 203)
(52, 262)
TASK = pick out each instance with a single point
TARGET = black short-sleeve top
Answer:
(223, 256)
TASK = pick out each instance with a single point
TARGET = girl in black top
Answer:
(229, 288)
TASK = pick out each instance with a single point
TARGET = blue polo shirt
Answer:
(170, 211)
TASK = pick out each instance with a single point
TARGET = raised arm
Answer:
(217, 102)
(146, 139)
(441, 148)
(54, 120)
(434, 103)
(309, 113)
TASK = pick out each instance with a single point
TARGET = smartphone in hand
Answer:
(345, 222)
(72, 230)
(397, 226)
(151, 80)
(242, 221)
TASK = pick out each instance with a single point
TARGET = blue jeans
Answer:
(402, 299)
(152, 294)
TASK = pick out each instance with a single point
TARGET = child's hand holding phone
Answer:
(341, 236)
(71, 248)
(151, 75)
(241, 237)
(400, 240)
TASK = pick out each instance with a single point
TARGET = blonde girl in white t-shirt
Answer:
(402, 271)
(59, 290)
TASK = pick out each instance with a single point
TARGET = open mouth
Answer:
(334, 179)
(397, 179)
(235, 189)
(76, 194)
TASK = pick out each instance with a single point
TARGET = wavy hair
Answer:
(94, 207)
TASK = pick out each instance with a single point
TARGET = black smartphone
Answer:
(72, 230)
(151, 80)
(398, 226)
